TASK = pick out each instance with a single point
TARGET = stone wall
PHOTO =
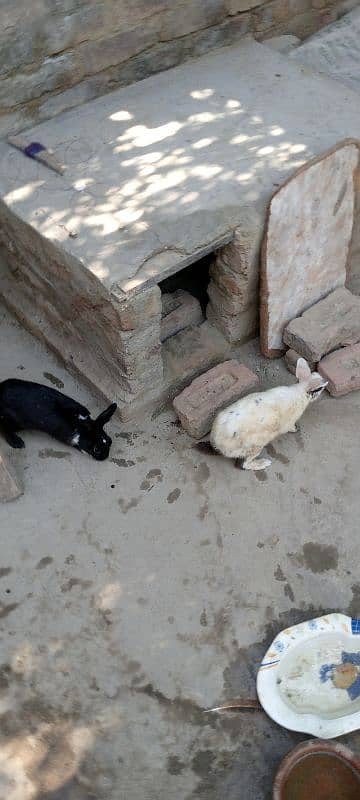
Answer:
(55, 54)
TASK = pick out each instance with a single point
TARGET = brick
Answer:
(237, 327)
(332, 322)
(10, 487)
(234, 275)
(291, 358)
(180, 309)
(199, 403)
(138, 311)
(342, 370)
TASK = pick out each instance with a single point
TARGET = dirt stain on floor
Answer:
(122, 462)
(174, 766)
(54, 380)
(44, 562)
(354, 606)
(50, 453)
(288, 592)
(5, 610)
(260, 475)
(126, 505)
(66, 587)
(5, 571)
(276, 455)
(320, 557)
(155, 473)
(173, 496)
(278, 574)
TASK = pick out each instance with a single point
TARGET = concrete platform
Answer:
(139, 591)
(157, 174)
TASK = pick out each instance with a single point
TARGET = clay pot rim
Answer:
(308, 748)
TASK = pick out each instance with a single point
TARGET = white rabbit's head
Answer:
(314, 384)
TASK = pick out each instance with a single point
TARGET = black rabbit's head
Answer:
(91, 438)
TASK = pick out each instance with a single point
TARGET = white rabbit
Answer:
(244, 428)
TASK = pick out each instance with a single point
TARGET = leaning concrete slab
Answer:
(10, 488)
(156, 175)
(306, 247)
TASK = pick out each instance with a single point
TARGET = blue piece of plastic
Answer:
(33, 149)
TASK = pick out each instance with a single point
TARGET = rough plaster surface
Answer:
(335, 50)
(306, 246)
(157, 173)
(136, 592)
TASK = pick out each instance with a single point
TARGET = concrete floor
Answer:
(139, 591)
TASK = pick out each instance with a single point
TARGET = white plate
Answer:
(309, 679)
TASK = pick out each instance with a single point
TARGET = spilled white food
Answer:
(309, 679)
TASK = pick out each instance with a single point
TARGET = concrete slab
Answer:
(136, 592)
(157, 173)
(335, 50)
(307, 241)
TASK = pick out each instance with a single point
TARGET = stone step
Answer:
(334, 50)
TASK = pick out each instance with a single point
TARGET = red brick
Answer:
(180, 309)
(342, 370)
(330, 323)
(199, 403)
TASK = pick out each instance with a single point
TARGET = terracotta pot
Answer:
(337, 752)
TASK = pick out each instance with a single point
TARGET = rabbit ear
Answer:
(316, 383)
(303, 370)
(104, 417)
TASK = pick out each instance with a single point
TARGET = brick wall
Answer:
(55, 54)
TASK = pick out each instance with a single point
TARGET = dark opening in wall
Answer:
(193, 279)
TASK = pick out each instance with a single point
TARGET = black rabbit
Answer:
(31, 406)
